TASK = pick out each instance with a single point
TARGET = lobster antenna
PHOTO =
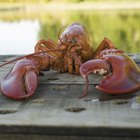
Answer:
(59, 34)
(28, 55)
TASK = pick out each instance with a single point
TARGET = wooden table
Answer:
(55, 111)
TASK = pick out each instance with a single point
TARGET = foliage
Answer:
(122, 27)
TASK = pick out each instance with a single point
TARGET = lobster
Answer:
(121, 74)
(72, 49)
(73, 53)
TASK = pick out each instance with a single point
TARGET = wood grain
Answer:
(56, 112)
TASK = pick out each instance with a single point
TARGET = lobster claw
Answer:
(21, 81)
(124, 78)
(122, 74)
(93, 66)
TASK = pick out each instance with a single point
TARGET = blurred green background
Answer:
(118, 20)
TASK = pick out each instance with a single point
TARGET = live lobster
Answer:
(73, 51)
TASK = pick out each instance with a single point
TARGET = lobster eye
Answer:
(74, 40)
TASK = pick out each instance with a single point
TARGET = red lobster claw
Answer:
(21, 81)
(123, 75)
(93, 66)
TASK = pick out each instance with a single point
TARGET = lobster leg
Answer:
(105, 44)
(72, 63)
(77, 66)
(43, 44)
(54, 50)
(77, 63)
(48, 45)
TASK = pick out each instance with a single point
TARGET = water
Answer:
(18, 37)
(20, 31)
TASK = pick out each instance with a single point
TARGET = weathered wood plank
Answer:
(58, 137)
(55, 111)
